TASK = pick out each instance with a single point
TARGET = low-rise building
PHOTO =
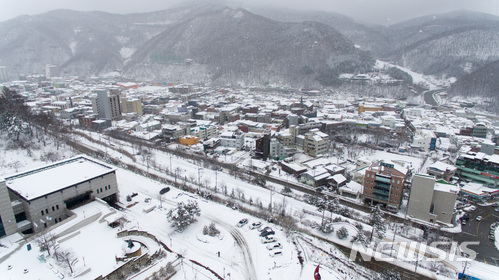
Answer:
(39, 198)
(188, 140)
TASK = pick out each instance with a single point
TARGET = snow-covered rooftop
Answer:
(39, 182)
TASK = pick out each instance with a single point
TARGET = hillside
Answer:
(203, 44)
(483, 82)
(448, 45)
(236, 46)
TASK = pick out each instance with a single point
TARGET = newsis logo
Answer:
(414, 251)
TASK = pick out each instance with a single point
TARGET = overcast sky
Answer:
(374, 11)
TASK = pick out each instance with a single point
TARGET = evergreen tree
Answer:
(183, 215)
(376, 221)
(342, 233)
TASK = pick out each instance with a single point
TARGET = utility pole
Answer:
(464, 269)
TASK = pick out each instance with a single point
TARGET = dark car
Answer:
(266, 231)
(164, 190)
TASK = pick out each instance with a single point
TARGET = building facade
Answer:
(107, 104)
(479, 167)
(432, 200)
(316, 143)
(383, 184)
(39, 198)
(232, 139)
(131, 105)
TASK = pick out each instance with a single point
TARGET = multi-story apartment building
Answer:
(232, 139)
(277, 150)
(384, 183)
(107, 104)
(36, 199)
(479, 167)
(316, 142)
(131, 105)
(432, 200)
(479, 130)
(206, 131)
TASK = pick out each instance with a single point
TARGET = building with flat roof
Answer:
(432, 200)
(479, 167)
(39, 198)
(383, 184)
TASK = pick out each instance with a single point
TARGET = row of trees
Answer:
(17, 119)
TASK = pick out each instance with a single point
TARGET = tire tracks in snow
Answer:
(250, 267)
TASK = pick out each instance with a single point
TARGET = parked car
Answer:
(274, 246)
(497, 209)
(242, 222)
(164, 190)
(275, 253)
(479, 218)
(266, 232)
(268, 239)
(255, 225)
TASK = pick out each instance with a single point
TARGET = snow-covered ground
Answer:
(242, 255)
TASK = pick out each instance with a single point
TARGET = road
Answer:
(479, 231)
(428, 97)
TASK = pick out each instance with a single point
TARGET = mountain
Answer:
(483, 82)
(447, 45)
(236, 46)
(370, 38)
(208, 43)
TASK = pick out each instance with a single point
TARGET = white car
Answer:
(479, 218)
(268, 239)
(242, 222)
(255, 225)
(274, 246)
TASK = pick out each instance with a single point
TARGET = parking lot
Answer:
(475, 230)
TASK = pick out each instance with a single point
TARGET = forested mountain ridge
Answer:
(205, 44)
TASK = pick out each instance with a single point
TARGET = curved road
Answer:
(429, 98)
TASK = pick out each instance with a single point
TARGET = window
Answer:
(46, 211)
(57, 206)
(41, 212)
(53, 208)
(100, 189)
(97, 190)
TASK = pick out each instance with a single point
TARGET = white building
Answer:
(39, 198)
(232, 139)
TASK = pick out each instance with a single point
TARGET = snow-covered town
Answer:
(150, 180)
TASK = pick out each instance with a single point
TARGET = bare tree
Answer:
(239, 192)
(68, 258)
(46, 242)
(206, 182)
(301, 214)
